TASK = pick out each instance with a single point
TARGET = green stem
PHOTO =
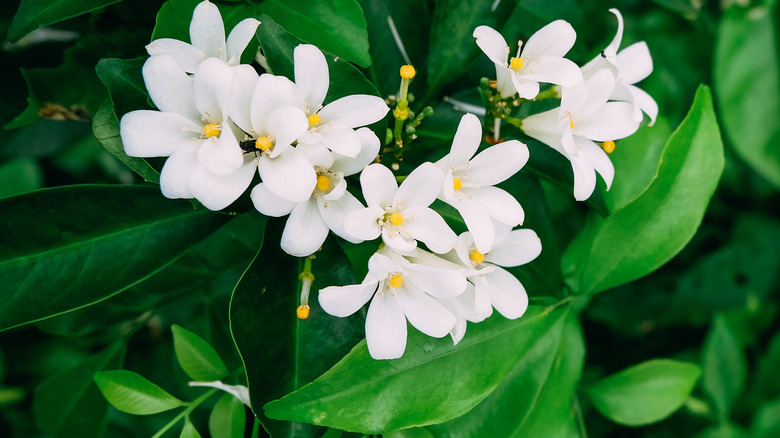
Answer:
(190, 407)
(575, 404)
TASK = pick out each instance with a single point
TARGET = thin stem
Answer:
(190, 407)
(575, 404)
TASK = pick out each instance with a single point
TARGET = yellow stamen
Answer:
(408, 72)
(609, 146)
(396, 219)
(477, 257)
(212, 130)
(314, 119)
(457, 183)
(263, 143)
(302, 311)
(323, 183)
(396, 281)
(571, 123)
(516, 64)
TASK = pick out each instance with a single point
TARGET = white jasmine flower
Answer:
(469, 180)
(583, 117)
(398, 290)
(401, 214)
(630, 66)
(207, 34)
(192, 127)
(332, 125)
(540, 59)
(329, 204)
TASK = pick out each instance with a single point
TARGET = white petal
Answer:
(645, 102)
(285, 125)
(518, 248)
(169, 86)
(338, 190)
(440, 283)
(378, 184)
(207, 32)
(221, 155)
(496, 163)
(472, 306)
(526, 88)
(394, 238)
(186, 55)
(428, 227)
(555, 39)
(239, 38)
(385, 328)
(355, 110)
(492, 44)
(504, 81)
(584, 177)
(635, 63)
(340, 139)
(369, 149)
(600, 87)
(545, 128)
(317, 154)
(425, 313)
(598, 159)
(289, 175)
(311, 75)
(334, 213)
(244, 82)
(269, 204)
(240, 392)
(480, 225)
(157, 134)
(362, 224)
(305, 230)
(271, 93)
(218, 191)
(381, 264)
(343, 301)
(613, 121)
(459, 331)
(554, 71)
(613, 46)
(498, 204)
(466, 141)
(506, 293)
(421, 187)
(211, 85)
(573, 98)
(177, 172)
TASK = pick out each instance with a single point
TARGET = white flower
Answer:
(332, 125)
(307, 227)
(469, 180)
(583, 117)
(192, 127)
(630, 66)
(207, 33)
(540, 60)
(401, 290)
(401, 214)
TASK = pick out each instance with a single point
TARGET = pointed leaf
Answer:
(131, 393)
(33, 14)
(105, 126)
(125, 83)
(189, 431)
(724, 366)
(197, 358)
(228, 418)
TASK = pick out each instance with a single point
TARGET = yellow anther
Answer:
(516, 64)
(396, 281)
(212, 130)
(302, 311)
(457, 184)
(408, 72)
(323, 183)
(314, 119)
(477, 257)
(571, 123)
(609, 146)
(396, 219)
(263, 143)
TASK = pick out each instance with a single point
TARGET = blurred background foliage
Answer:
(716, 303)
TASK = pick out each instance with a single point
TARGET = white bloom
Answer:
(540, 60)
(192, 127)
(332, 125)
(401, 214)
(401, 290)
(630, 66)
(469, 180)
(583, 117)
(307, 227)
(207, 33)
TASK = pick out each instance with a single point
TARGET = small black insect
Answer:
(603, 55)
(248, 146)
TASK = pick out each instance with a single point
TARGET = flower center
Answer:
(571, 123)
(396, 219)
(264, 143)
(314, 119)
(456, 183)
(396, 281)
(212, 130)
(323, 183)
(516, 64)
(476, 257)
(608, 146)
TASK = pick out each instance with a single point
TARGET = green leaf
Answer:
(74, 246)
(33, 14)
(189, 431)
(535, 398)
(197, 358)
(69, 404)
(173, 20)
(20, 176)
(105, 126)
(645, 393)
(433, 382)
(724, 430)
(125, 83)
(228, 419)
(281, 353)
(746, 83)
(131, 393)
(724, 366)
(640, 237)
(766, 423)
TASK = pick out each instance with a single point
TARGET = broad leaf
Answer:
(227, 419)
(125, 83)
(644, 393)
(638, 238)
(33, 14)
(724, 366)
(189, 431)
(74, 246)
(433, 382)
(105, 126)
(766, 423)
(131, 393)
(20, 176)
(197, 358)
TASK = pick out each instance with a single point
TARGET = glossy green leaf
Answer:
(129, 392)
(766, 423)
(33, 14)
(125, 83)
(105, 126)
(69, 404)
(638, 238)
(19, 176)
(74, 246)
(189, 431)
(746, 83)
(374, 396)
(724, 366)
(228, 418)
(535, 398)
(645, 393)
(197, 358)
(281, 353)
(724, 430)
